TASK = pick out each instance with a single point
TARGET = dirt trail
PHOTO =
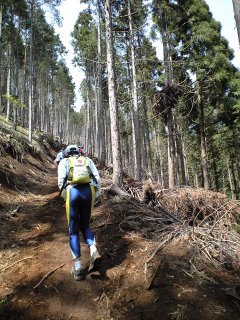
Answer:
(34, 242)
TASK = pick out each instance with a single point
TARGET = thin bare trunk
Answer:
(236, 9)
(1, 9)
(100, 119)
(171, 154)
(159, 159)
(68, 121)
(185, 161)
(169, 116)
(146, 132)
(231, 179)
(203, 141)
(8, 81)
(179, 149)
(136, 126)
(236, 156)
(115, 137)
(30, 94)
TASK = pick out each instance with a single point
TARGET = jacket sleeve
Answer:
(96, 183)
(58, 157)
(62, 172)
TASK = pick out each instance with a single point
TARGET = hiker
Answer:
(79, 179)
(60, 155)
(82, 150)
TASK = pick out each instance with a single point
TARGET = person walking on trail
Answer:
(60, 155)
(79, 183)
(82, 150)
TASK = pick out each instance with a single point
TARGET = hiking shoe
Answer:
(94, 261)
(77, 274)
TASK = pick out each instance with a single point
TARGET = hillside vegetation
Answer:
(167, 254)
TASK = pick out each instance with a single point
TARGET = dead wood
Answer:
(116, 191)
(205, 218)
(7, 267)
(47, 275)
(149, 281)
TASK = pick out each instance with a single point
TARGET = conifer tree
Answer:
(196, 42)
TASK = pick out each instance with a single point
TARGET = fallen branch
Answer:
(7, 267)
(47, 275)
(166, 212)
(149, 282)
(115, 190)
(158, 248)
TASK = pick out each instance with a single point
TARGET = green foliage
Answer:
(14, 101)
(85, 40)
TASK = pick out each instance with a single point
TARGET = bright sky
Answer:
(222, 11)
(69, 11)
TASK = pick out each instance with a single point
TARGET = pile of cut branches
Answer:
(205, 219)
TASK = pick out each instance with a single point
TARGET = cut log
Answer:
(116, 191)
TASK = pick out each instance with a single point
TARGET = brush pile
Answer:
(207, 221)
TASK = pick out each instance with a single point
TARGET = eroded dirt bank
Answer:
(34, 243)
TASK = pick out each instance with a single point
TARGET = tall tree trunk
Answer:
(24, 91)
(171, 153)
(136, 126)
(100, 119)
(147, 150)
(236, 157)
(236, 9)
(8, 81)
(148, 154)
(185, 161)
(89, 112)
(232, 181)
(169, 127)
(214, 156)
(159, 159)
(16, 90)
(68, 121)
(30, 94)
(115, 136)
(196, 183)
(1, 10)
(16, 83)
(179, 148)
(53, 116)
(203, 140)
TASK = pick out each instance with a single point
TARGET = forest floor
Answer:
(35, 262)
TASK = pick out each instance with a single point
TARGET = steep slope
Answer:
(35, 280)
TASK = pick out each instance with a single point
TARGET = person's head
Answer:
(71, 150)
(82, 150)
(63, 146)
